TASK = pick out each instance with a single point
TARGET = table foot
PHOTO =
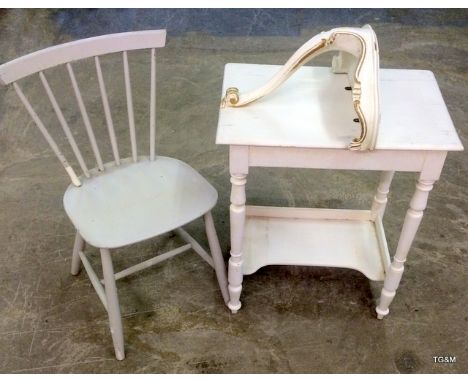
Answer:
(234, 308)
(381, 314)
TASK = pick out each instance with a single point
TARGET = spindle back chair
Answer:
(130, 199)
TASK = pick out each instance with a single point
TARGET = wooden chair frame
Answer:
(65, 54)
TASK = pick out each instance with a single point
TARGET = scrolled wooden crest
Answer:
(358, 56)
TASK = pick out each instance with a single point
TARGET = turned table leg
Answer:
(237, 217)
(380, 198)
(410, 226)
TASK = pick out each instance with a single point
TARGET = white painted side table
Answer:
(308, 123)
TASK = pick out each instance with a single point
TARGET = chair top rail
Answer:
(77, 50)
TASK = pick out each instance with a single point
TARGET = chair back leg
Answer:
(113, 307)
(77, 247)
(215, 249)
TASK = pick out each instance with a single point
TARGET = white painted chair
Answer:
(128, 200)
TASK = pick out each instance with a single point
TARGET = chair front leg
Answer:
(216, 254)
(77, 248)
(113, 308)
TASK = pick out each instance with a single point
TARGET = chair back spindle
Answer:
(107, 113)
(47, 136)
(131, 118)
(153, 105)
(64, 124)
(84, 115)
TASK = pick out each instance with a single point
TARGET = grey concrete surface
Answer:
(294, 319)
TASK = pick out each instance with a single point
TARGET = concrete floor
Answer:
(294, 319)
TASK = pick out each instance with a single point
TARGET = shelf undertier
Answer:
(315, 237)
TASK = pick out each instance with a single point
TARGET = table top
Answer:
(312, 109)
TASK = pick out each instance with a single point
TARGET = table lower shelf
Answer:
(315, 237)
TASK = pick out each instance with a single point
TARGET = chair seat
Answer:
(136, 201)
